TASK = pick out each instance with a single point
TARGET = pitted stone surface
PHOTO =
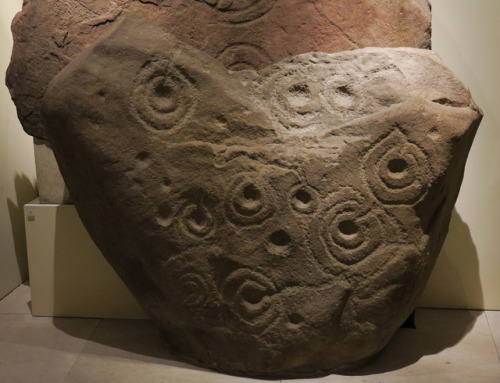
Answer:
(242, 34)
(279, 223)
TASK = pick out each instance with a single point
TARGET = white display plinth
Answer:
(69, 276)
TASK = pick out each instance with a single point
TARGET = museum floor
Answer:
(447, 346)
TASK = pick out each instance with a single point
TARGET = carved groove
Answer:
(252, 297)
(396, 170)
(304, 199)
(244, 56)
(249, 200)
(240, 11)
(162, 98)
(352, 230)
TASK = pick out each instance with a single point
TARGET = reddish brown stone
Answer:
(242, 34)
(279, 223)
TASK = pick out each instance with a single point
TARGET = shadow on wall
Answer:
(83, 281)
(25, 192)
(455, 281)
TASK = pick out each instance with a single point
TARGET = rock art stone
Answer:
(241, 33)
(278, 223)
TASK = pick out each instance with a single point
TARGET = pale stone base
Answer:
(51, 186)
(69, 276)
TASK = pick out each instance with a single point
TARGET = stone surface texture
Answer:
(278, 223)
(242, 34)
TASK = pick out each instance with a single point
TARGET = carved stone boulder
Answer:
(279, 223)
(48, 34)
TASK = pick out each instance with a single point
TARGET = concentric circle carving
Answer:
(350, 92)
(294, 97)
(250, 200)
(192, 284)
(352, 230)
(251, 296)
(192, 287)
(162, 98)
(397, 170)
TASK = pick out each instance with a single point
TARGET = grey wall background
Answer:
(466, 35)
(17, 169)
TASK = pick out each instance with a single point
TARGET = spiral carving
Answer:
(162, 98)
(396, 170)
